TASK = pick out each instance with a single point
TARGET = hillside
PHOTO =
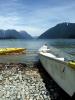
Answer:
(13, 34)
(25, 35)
(62, 30)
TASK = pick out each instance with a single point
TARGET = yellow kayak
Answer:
(71, 64)
(11, 50)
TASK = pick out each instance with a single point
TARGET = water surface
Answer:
(32, 46)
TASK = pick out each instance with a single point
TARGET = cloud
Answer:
(35, 16)
(8, 22)
(32, 30)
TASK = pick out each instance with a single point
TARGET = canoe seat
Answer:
(49, 55)
(62, 59)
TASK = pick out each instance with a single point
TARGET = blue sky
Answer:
(35, 16)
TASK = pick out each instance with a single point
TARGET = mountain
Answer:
(25, 35)
(13, 34)
(62, 30)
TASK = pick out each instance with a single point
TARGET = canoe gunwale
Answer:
(59, 61)
(52, 58)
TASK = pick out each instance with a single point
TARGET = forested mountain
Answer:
(13, 34)
(62, 30)
(25, 35)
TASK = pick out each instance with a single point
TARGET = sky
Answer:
(35, 16)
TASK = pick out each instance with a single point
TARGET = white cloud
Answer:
(34, 31)
(36, 20)
(8, 22)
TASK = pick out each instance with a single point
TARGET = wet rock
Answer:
(1, 77)
(7, 94)
(1, 93)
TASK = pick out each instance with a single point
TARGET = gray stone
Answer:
(22, 86)
(1, 77)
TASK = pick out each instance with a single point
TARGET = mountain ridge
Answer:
(14, 34)
(61, 30)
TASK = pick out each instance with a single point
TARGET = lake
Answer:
(32, 46)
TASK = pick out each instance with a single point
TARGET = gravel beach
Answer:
(21, 82)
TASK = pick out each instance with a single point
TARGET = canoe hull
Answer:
(60, 72)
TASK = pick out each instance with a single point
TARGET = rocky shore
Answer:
(21, 82)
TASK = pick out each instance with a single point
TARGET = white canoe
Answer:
(61, 71)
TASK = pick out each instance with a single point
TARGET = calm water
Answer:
(66, 45)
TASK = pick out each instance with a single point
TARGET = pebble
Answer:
(21, 82)
(1, 77)
(22, 85)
